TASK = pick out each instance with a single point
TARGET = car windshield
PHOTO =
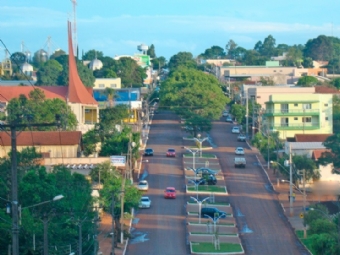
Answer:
(142, 183)
(148, 150)
(171, 150)
(170, 190)
(145, 199)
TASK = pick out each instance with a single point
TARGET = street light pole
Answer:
(290, 181)
(200, 202)
(113, 224)
(193, 156)
(200, 141)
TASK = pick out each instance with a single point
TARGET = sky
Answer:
(118, 27)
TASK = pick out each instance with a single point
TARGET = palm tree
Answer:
(111, 95)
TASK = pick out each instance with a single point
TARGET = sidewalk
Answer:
(294, 214)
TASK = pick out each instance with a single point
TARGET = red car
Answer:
(171, 153)
(170, 192)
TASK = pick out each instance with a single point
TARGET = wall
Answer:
(102, 83)
(64, 151)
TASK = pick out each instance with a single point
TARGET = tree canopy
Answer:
(307, 81)
(184, 59)
(189, 91)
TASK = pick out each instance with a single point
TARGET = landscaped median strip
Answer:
(209, 248)
(206, 189)
(196, 213)
(204, 155)
(205, 223)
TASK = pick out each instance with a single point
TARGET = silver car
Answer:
(143, 185)
(144, 202)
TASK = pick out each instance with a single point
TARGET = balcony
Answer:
(296, 126)
(289, 112)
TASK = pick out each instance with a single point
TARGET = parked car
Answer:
(144, 202)
(229, 119)
(225, 113)
(235, 130)
(241, 138)
(239, 151)
(205, 171)
(170, 192)
(143, 185)
(206, 180)
(212, 212)
(148, 152)
(171, 153)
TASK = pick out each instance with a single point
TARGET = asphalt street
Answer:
(161, 229)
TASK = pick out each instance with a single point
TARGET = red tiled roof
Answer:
(77, 92)
(317, 153)
(9, 92)
(311, 137)
(326, 90)
(36, 138)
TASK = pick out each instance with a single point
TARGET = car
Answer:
(241, 138)
(235, 130)
(229, 119)
(144, 202)
(225, 113)
(170, 192)
(206, 180)
(212, 212)
(171, 153)
(148, 152)
(143, 185)
(239, 151)
(205, 171)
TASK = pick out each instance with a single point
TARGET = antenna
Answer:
(74, 30)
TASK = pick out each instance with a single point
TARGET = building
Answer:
(51, 144)
(272, 69)
(299, 114)
(102, 83)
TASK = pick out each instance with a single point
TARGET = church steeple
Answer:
(77, 92)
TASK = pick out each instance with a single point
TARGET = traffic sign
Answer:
(301, 215)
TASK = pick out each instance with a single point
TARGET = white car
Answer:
(239, 151)
(225, 113)
(143, 185)
(144, 202)
(235, 130)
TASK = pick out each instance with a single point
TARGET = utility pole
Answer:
(14, 174)
(247, 115)
(253, 120)
(290, 181)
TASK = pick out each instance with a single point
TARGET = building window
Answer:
(296, 118)
(326, 105)
(326, 118)
(307, 106)
(101, 85)
(296, 104)
(87, 110)
(284, 108)
(274, 71)
(306, 119)
(113, 86)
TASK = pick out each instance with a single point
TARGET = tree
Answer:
(336, 114)
(49, 72)
(307, 81)
(39, 109)
(215, 52)
(90, 141)
(307, 62)
(267, 49)
(18, 59)
(324, 244)
(57, 53)
(320, 48)
(111, 95)
(151, 51)
(92, 54)
(332, 143)
(189, 91)
(307, 164)
(238, 111)
(196, 124)
(294, 57)
(158, 63)
(267, 81)
(182, 59)
(230, 48)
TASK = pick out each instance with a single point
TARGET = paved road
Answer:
(262, 225)
(161, 229)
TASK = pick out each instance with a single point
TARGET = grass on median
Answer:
(209, 247)
(205, 233)
(208, 188)
(306, 241)
(205, 223)
(204, 155)
(208, 203)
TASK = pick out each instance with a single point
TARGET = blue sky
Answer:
(117, 27)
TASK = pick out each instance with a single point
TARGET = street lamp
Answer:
(193, 156)
(200, 141)
(196, 183)
(45, 220)
(215, 219)
(200, 202)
